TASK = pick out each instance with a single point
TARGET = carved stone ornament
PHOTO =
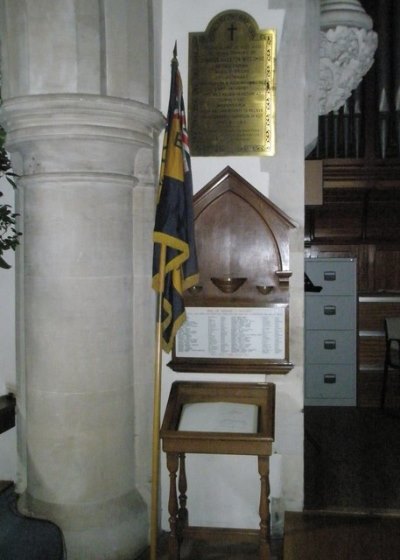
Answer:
(347, 48)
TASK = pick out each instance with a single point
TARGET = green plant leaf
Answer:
(3, 263)
(9, 236)
(11, 181)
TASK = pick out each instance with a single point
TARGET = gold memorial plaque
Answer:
(232, 87)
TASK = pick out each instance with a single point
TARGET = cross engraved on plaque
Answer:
(232, 29)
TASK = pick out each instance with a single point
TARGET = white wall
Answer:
(224, 491)
(8, 452)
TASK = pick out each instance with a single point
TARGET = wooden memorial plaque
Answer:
(238, 314)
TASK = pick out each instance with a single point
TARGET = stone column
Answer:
(76, 80)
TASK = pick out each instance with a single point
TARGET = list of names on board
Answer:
(232, 332)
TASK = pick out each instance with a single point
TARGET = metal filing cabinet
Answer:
(331, 333)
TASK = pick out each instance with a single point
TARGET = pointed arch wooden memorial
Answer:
(238, 314)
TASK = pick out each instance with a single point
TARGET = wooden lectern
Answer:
(177, 442)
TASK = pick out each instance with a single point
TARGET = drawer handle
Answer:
(330, 275)
(330, 378)
(329, 309)
(330, 344)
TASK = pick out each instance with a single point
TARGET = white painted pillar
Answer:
(76, 80)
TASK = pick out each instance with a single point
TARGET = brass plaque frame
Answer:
(232, 87)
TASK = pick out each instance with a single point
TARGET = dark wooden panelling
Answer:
(239, 233)
(386, 267)
(370, 388)
(364, 224)
(372, 314)
(340, 216)
(382, 219)
(371, 352)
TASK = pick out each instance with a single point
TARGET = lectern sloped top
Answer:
(257, 442)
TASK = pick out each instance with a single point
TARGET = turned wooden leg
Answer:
(173, 544)
(183, 518)
(263, 469)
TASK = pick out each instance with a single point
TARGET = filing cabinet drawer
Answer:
(335, 276)
(328, 313)
(330, 347)
(325, 381)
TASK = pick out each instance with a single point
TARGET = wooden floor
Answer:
(197, 550)
(310, 536)
(341, 537)
(351, 459)
(351, 471)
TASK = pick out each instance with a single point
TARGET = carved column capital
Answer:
(346, 55)
(347, 48)
(56, 133)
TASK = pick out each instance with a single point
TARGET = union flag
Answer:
(173, 234)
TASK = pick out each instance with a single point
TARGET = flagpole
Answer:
(156, 413)
(166, 227)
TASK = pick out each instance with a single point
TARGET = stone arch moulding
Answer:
(242, 243)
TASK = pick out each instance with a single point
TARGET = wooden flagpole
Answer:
(156, 412)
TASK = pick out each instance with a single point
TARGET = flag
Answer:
(174, 222)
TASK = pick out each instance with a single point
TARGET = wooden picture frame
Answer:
(234, 340)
